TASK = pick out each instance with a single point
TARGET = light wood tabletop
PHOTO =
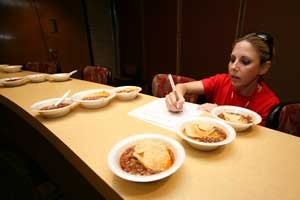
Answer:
(259, 164)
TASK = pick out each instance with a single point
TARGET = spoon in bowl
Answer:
(62, 98)
(72, 72)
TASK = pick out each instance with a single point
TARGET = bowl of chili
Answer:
(47, 109)
(125, 162)
(205, 133)
(239, 118)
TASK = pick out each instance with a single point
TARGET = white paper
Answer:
(157, 113)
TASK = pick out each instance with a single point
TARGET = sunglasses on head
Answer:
(268, 39)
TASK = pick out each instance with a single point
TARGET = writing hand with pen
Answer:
(175, 99)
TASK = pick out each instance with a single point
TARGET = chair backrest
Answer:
(289, 119)
(97, 74)
(44, 67)
(161, 86)
(286, 118)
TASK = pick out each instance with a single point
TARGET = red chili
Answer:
(132, 165)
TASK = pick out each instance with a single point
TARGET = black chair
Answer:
(285, 117)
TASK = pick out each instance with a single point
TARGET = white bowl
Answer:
(12, 68)
(256, 118)
(59, 77)
(13, 81)
(206, 146)
(2, 66)
(36, 78)
(98, 103)
(120, 147)
(127, 92)
(52, 113)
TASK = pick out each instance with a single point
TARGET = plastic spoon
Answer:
(62, 98)
(72, 72)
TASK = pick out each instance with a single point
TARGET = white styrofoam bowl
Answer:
(256, 118)
(206, 146)
(117, 150)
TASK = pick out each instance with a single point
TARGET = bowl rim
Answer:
(37, 75)
(116, 89)
(257, 117)
(59, 74)
(21, 80)
(58, 77)
(36, 106)
(231, 135)
(13, 66)
(119, 147)
(78, 95)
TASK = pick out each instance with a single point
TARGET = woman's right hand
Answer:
(172, 104)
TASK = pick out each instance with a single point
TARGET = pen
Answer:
(173, 86)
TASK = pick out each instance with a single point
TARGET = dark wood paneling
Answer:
(281, 19)
(70, 40)
(21, 36)
(101, 32)
(149, 36)
(26, 33)
(130, 35)
(159, 37)
(147, 39)
(208, 31)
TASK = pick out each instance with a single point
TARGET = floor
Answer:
(21, 178)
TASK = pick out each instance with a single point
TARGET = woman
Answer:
(250, 59)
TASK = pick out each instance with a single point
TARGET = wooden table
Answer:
(260, 164)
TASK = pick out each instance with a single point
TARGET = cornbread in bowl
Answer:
(239, 118)
(37, 78)
(146, 157)
(127, 92)
(94, 98)
(58, 77)
(205, 133)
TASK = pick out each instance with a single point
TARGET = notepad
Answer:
(156, 112)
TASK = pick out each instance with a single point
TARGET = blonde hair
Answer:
(262, 42)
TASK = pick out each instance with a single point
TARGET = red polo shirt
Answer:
(218, 89)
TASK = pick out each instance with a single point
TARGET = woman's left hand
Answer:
(207, 106)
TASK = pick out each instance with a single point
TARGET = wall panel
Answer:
(26, 33)
(160, 29)
(70, 41)
(281, 19)
(208, 31)
(21, 36)
(101, 32)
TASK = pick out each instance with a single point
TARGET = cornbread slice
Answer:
(97, 95)
(235, 117)
(152, 154)
(198, 130)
